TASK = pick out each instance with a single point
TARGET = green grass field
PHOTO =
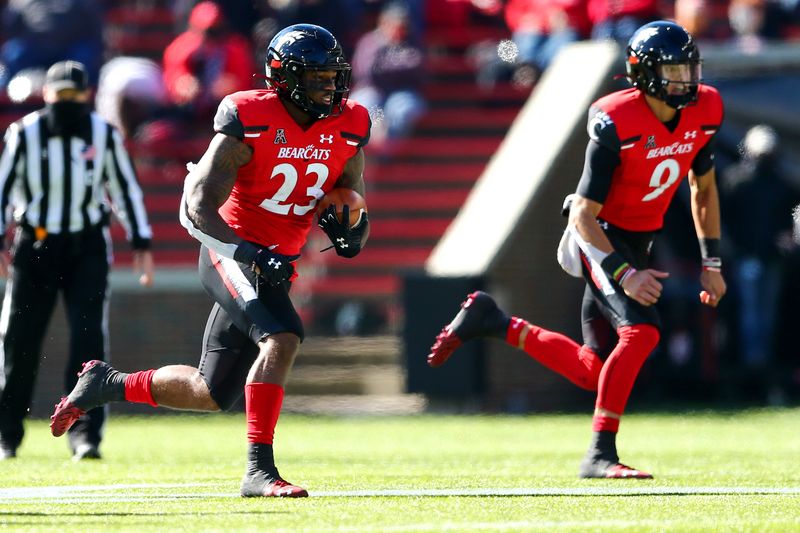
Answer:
(734, 471)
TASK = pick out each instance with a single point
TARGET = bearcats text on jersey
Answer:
(305, 152)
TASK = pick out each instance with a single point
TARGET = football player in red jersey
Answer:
(250, 201)
(643, 140)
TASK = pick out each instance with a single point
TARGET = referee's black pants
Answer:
(77, 264)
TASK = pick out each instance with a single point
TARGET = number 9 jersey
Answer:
(652, 158)
(274, 199)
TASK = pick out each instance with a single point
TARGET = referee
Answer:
(60, 167)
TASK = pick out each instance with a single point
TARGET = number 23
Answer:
(289, 173)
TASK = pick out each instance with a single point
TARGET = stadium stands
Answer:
(415, 186)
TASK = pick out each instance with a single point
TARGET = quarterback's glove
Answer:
(273, 268)
(345, 239)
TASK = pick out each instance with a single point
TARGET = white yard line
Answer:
(151, 492)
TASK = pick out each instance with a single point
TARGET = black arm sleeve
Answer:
(226, 121)
(704, 160)
(598, 169)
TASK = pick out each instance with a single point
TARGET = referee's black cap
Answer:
(67, 75)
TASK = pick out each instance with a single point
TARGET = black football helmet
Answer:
(297, 49)
(657, 44)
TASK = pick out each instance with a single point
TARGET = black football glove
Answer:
(346, 240)
(273, 268)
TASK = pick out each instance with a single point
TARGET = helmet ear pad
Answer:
(274, 70)
(643, 78)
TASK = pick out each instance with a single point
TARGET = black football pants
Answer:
(77, 265)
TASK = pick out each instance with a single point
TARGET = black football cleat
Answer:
(259, 484)
(605, 469)
(7, 451)
(86, 450)
(479, 317)
(98, 383)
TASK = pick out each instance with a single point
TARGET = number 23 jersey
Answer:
(653, 159)
(274, 199)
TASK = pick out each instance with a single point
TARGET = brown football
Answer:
(341, 196)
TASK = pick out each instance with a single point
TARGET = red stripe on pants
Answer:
(221, 271)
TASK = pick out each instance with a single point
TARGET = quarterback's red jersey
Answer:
(653, 159)
(273, 201)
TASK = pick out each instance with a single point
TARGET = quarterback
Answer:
(642, 142)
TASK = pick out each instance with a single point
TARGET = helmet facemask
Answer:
(298, 87)
(678, 83)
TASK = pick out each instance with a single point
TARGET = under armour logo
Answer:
(340, 243)
(280, 136)
(326, 138)
(690, 135)
(273, 263)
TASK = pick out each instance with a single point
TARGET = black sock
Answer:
(500, 329)
(116, 383)
(604, 446)
(260, 458)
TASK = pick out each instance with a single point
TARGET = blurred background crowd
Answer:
(172, 61)
(443, 80)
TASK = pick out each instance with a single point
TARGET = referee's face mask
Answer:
(66, 108)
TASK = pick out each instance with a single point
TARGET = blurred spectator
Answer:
(388, 74)
(539, 29)
(38, 33)
(26, 84)
(702, 18)
(241, 15)
(618, 19)
(344, 18)
(757, 206)
(693, 15)
(207, 62)
(753, 22)
(131, 91)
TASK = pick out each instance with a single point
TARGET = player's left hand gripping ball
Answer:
(346, 239)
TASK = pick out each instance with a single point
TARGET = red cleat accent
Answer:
(620, 471)
(446, 343)
(64, 416)
(283, 489)
(66, 413)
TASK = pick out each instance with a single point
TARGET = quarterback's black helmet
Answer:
(659, 44)
(297, 49)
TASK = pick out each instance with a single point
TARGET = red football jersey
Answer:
(273, 201)
(653, 159)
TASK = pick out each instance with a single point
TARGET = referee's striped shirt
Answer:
(62, 183)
